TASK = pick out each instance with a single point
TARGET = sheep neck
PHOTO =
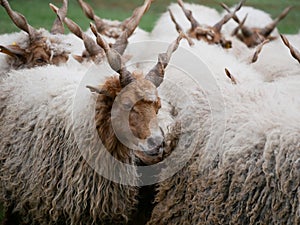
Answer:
(103, 121)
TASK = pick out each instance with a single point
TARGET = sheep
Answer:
(216, 59)
(92, 51)
(60, 178)
(210, 34)
(39, 47)
(271, 66)
(250, 34)
(108, 28)
(201, 13)
(245, 171)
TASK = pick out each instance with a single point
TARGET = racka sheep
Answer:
(39, 47)
(245, 164)
(48, 173)
(95, 53)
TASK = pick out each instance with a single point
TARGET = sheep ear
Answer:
(13, 51)
(98, 90)
(78, 58)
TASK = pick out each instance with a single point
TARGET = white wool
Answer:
(275, 61)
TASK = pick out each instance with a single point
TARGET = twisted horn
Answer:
(114, 59)
(156, 74)
(89, 12)
(189, 16)
(179, 28)
(122, 41)
(218, 26)
(258, 50)
(230, 76)
(92, 48)
(19, 20)
(295, 53)
(245, 30)
(234, 17)
(58, 26)
(269, 28)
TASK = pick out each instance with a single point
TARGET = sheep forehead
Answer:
(142, 89)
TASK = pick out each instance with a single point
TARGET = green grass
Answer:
(39, 14)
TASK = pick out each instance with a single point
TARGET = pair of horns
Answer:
(21, 22)
(264, 32)
(92, 48)
(114, 58)
(102, 25)
(195, 24)
(120, 43)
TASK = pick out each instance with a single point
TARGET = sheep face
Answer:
(255, 36)
(136, 105)
(38, 53)
(210, 35)
(37, 49)
(143, 98)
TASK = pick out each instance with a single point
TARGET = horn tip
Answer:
(53, 7)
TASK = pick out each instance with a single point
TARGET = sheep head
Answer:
(113, 29)
(210, 34)
(38, 50)
(255, 36)
(94, 52)
(137, 101)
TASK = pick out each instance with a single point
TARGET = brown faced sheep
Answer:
(112, 29)
(39, 48)
(210, 34)
(246, 173)
(47, 177)
(254, 36)
(92, 50)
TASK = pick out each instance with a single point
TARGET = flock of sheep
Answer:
(236, 145)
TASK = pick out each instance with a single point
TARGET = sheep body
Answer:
(44, 175)
(245, 174)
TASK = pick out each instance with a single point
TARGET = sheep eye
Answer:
(40, 60)
(127, 106)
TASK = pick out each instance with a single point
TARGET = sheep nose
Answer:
(155, 141)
